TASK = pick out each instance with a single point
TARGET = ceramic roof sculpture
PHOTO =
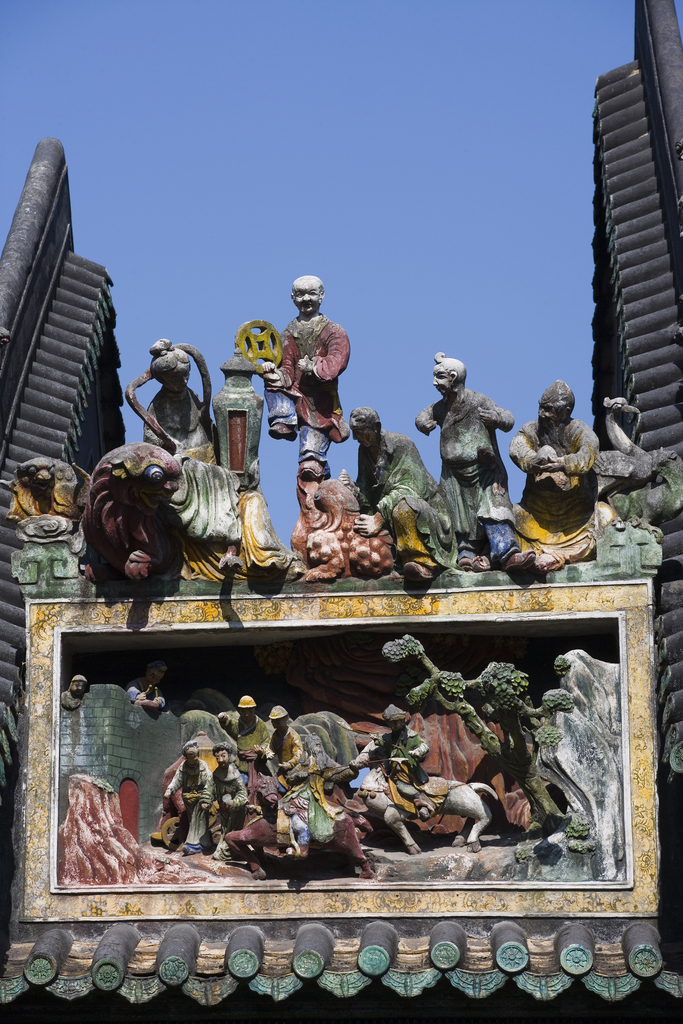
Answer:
(445, 781)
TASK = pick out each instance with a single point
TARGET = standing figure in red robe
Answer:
(302, 392)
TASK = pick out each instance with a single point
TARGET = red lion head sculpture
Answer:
(119, 522)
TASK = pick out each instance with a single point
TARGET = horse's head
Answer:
(265, 791)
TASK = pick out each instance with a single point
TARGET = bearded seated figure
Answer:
(559, 517)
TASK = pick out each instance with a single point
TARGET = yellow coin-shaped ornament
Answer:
(259, 342)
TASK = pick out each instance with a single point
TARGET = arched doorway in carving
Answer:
(129, 798)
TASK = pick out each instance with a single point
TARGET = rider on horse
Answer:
(306, 814)
(401, 752)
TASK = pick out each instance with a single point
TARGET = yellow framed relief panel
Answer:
(231, 641)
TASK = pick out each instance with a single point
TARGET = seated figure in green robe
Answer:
(396, 492)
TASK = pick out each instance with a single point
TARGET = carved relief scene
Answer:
(344, 660)
(358, 756)
(419, 753)
(371, 756)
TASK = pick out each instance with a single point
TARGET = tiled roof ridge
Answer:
(141, 967)
(638, 351)
(635, 293)
(58, 366)
(77, 341)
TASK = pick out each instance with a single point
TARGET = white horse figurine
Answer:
(462, 799)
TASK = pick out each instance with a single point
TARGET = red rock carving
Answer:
(97, 849)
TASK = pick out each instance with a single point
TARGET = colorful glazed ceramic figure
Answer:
(193, 779)
(473, 478)
(306, 813)
(401, 752)
(639, 485)
(144, 691)
(43, 486)
(302, 392)
(121, 520)
(285, 745)
(395, 492)
(325, 536)
(227, 790)
(72, 698)
(558, 518)
(176, 418)
(397, 789)
(250, 734)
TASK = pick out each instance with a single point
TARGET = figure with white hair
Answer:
(473, 477)
(301, 393)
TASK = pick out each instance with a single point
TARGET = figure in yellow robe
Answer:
(558, 517)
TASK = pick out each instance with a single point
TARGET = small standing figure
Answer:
(302, 392)
(473, 477)
(402, 751)
(250, 734)
(396, 492)
(144, 692)
(285, 744)
(557, 516)
(193, 778)
(72, 698)
(227, 789)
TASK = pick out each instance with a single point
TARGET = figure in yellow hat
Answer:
(285, 744)
(250, 733)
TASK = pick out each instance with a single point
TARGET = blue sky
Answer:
(431, 162)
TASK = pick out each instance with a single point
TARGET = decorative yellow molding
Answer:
(51, 621)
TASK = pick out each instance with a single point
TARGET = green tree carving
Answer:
(506, 702)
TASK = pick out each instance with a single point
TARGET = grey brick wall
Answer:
(110, 738)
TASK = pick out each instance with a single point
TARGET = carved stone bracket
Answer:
(52, 548)
(671, 983)
(343, 984)
(477, 985)
(141, 990)
(543, 987)
(411, 983)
